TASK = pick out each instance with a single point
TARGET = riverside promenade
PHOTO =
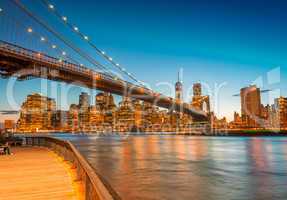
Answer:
(37, 173)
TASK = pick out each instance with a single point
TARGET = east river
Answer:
(187, 167)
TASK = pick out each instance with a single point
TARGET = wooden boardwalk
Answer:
(37, 173)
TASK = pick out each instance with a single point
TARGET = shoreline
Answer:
(229, 133)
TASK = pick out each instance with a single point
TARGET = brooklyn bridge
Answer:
(28, 52)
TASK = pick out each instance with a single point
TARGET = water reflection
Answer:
(180, 167)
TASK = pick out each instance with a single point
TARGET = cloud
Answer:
(9, 112)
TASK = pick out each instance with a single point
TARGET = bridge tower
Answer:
(200, 101)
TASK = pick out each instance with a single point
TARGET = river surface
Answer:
(187, 167)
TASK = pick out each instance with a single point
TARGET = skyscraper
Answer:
(74, 117)
(84, 104)
(84, 100)
(178, 90)
(105, 101)
(250, 102)
(281, 110)
(36, 113)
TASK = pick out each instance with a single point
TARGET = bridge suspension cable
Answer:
(85, 38)
(62, 38)
(39, 37)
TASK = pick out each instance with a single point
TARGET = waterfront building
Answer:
(125, 116)
(175, 120)
(147, 114)
(237, 121)
(164, 120)
(60, 120)
(236, 117)
(265, 116)
(265, 111)
(281, 110)
(138, 109)
(96, 119)
(256, 115)
(105, 103)
(218, 124)
(84, 104)
(36, 113)
(9, 125)
(84, 100)
(74, 118)
(273, 118)
(151, 117)
(250, 105)
(186, 119)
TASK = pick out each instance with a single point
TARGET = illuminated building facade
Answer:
(106, 105)
(84, 105)
(104, 116)
(96, 118)
(178, 90)
(60, 120)
(250, 105)
(125, 116)
(9, 124)
(37, 113)
(73, 121)
(281, 111)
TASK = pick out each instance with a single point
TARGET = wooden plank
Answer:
(37, 173)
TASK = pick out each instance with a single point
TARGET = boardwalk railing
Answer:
(95, 188)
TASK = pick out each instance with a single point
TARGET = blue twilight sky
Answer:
(217, 42)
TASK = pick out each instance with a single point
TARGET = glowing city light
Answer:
(103, 52)
(86, 37)
(1, 9)
(51, 6)
(110, 58)
(54, 46)
(43, 39)
(29, 30)
(63, 53)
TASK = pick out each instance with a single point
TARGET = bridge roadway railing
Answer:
(62, 64)
(95, 188)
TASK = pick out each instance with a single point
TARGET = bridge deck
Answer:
(37, 173)
(25, 64)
